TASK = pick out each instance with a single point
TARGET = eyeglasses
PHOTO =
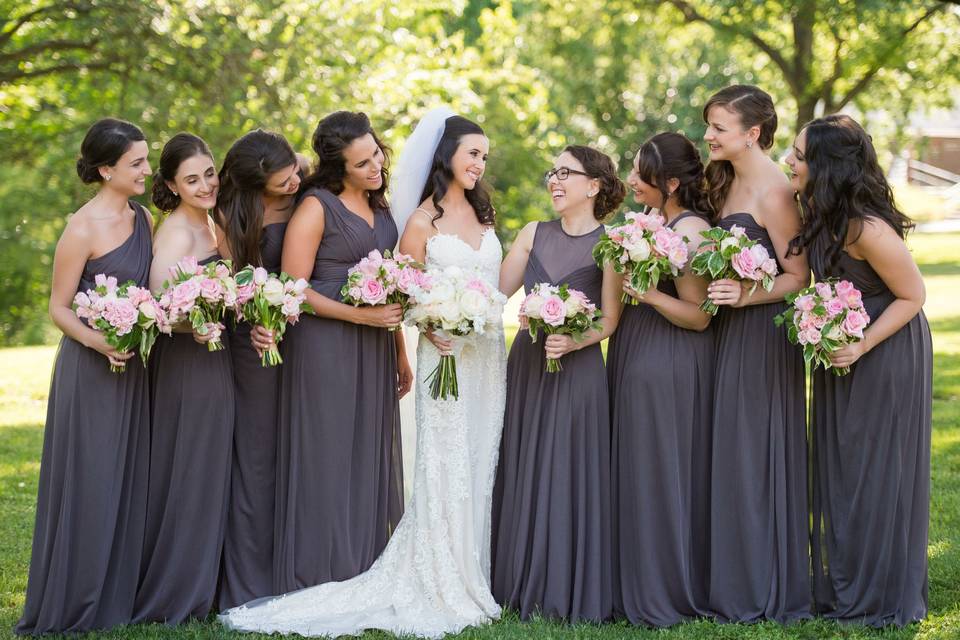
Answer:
(562, 174)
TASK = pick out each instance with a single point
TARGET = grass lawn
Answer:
(25, 374)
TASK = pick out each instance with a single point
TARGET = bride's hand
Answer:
(443, 345)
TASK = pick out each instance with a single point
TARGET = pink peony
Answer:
(553, 311)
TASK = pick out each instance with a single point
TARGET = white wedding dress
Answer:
(433, 578)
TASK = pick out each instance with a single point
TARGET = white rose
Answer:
(273, 292)
(533, 306)
(729, 242)
(639, 251)
(835, 333)
(573, 306)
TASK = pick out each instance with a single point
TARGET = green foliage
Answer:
(537, 74)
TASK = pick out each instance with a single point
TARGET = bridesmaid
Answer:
(870, 428)
(759, 559)
(258, 183)
(192, 404)
(93, 473)
(660, 365)
(551, 511)
(340, 475)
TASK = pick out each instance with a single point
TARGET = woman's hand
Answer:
(846, 355)
(443, 345)
(262, 339)
(116, 358)
(558, 345)
(404, 376)
(383, 316)
(727, 292)
(211, 333)
(650, 296)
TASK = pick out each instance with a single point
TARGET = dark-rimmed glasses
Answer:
(562, 173)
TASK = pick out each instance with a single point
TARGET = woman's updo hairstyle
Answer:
(599, 166)
(755, 108)
(180, 147)
(105, 142)
(672, 155)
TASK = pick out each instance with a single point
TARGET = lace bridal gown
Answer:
(433, 578)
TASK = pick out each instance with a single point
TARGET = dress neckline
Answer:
(136, 221)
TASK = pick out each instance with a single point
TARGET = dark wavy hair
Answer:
(672, 155)
(246, 169)
(599, 166)
(106, 141)
(755, 108)
(178, 148)
(844, 183)
(441, 172)
(333, 134)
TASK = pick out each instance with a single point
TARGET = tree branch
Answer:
(9, 32)
(12, 75)
(690, 14)
(882, 59)
(48, 45)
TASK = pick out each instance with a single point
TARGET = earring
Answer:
(176, 194)
(749, 144)
(591, 194)
(108, 178)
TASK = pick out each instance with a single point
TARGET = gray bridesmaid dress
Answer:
(661, 399)
(93, 474)
(759, 523)
(871, 468)
(192, 399)
(247, 571)
(551, 509)
(339, 469)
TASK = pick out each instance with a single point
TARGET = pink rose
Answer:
(189, 266)
(854, 323)
(260, 276)
(122, 316)
(109, 282)
(760, 255)
(810, 336)
(769, 267)
(406, 280)
(805, 303)
(478, 285)
(744, 264)
(843, 288)
(245, 292)
(290, 307)
(737, 231)
(221, 270)
(184, 295)
(211, 289)
(824, 290)
(853, 299)
(372, 292)
(553, 311)
(834, 307)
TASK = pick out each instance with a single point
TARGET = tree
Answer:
(830, 53)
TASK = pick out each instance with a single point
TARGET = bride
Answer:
(433, 578)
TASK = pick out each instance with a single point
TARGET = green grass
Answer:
(25, 374)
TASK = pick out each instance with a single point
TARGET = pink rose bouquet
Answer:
(384, 279)
(824, 318)
(200, 295)
(644, 248)
(560, 309)
(731, 254)
(128, 316)
(271, 301)
(456, 302)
